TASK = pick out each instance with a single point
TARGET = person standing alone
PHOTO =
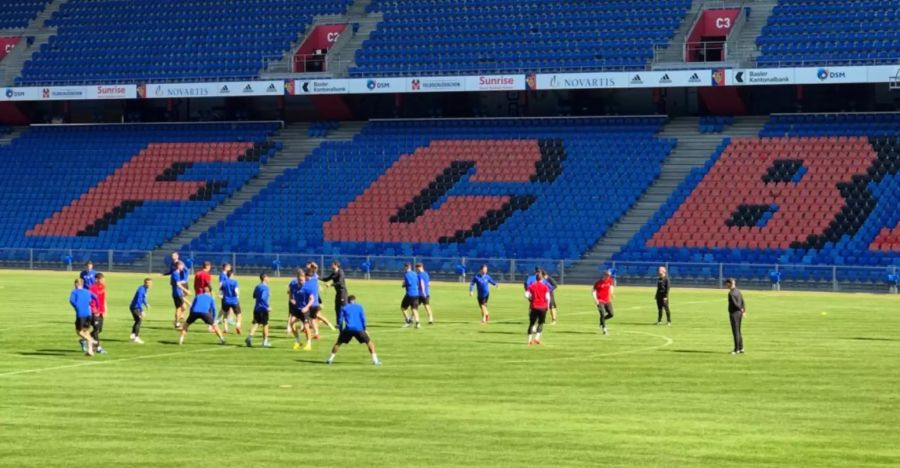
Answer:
(737, 309)
(662, 297)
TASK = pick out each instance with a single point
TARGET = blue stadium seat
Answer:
(169, 40)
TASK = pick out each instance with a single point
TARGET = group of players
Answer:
(305, 310)
(88, 298)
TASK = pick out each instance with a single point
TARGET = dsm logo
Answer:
(373, 85)
(825, 74)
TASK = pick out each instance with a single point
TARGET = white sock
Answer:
(530, 338)
(181, 339)
(374, 357)
(331, 357)
(538, 336)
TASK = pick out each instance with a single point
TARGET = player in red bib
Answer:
(603, 294)
(538, 295)
(98, 310)
(202, 279)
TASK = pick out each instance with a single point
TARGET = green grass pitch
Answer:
(818, 386)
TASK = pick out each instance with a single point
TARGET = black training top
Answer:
(662, 287)
(735, 300)
(338, 278)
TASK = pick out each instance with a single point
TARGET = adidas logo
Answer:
(224, 90)
(665, 79)
(271, 88)
(248, 88)
(695, 78)
(637, 80)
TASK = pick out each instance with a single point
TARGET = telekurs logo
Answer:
(416, 85)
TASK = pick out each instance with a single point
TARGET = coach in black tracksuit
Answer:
(340, 287)
(662, 297)
(737, 309)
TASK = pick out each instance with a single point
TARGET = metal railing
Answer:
(692, 274)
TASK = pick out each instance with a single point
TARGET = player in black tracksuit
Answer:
(737, 309)
(340, 287)
(662, 297)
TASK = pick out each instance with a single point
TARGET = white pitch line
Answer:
(97, 361)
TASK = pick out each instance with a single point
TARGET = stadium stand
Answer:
(811, 32)
(17, 14)
(127, 178)
(517, 188)
(811, 190)
(485, 36)
(169, 40)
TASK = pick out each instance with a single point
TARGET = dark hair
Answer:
(483, 266)
(336, 263)
(730, 281)
(88, 263)
(263, 276)
(538, 269)
(419, 265)
(230, 272)
(351, 299)
(207, 264)
(147, 279)
(99, 276)
(407, 265)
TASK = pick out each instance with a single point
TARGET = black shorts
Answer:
(236, 308)
(83, 323)
(178, 301)
(261, 317)
(294, 311)
(409, 302)
(605, 308)
(425, 300)
(661, 301)
(194, 316)
(97, 322)
(347, 335)
(483, 300)
(314, 312)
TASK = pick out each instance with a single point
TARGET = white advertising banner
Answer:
(378, 85)
(435, 84)
(324, 86)
(620, 80)
(831, 75)
(883, 74)
(495, 83)
(70, 93)
(761, 76)
(222, 89)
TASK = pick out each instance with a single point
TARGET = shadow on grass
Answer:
(869, 338)
(311, 361)
(571, 332)
(51, 352)
(521, 344)
(693, 351)
(498, 332)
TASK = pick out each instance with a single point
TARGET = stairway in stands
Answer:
(342, 54)
(15, 60)
(297, 146)
(674, 52)
(746, 51)
(692, 151)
